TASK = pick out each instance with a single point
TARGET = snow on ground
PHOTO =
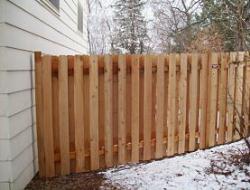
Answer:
(190, 171)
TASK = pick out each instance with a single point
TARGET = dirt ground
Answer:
(83, 181)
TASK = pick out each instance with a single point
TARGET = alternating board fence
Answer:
(100, 111)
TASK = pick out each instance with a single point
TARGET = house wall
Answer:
(27, 26)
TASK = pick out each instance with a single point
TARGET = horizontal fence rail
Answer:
(96, 112)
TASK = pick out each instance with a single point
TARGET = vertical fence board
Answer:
(147, 107)
(79, 113)
(183, 103)
(135, 90)
(63, 114)
(193, 101)
(86, 114)
(47, 117)
(39, 114)
(108, 95)
(231, 96)
(172, 105)
(223, 98)
(166, 103)
(203, 99)
(101, 119)
(213, 98)
(160, 106)
(93, 111)
(55, 105)
(122, 110)
(246, 103)
(239, 96)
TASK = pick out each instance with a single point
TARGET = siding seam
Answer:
(72, 49)
(47, 23)
(20, 153)
(19, 133)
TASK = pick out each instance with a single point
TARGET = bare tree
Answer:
(174, 23)
(99, 27)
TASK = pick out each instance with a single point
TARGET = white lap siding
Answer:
(27, 26)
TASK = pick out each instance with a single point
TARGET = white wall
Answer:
(27, 26)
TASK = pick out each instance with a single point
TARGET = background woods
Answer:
(128, 26)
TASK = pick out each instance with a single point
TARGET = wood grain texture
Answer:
(223, 98)
(63, 114)
(147, 117)
(160, 107)
(246, 103)
(213, 99)
(239, 95)
(172, 105)
(79, 113)
(93, 112)
(231, 96)
(108, 105)
(122, 109)
(39, 113)
(47, 117)
(193, 101)
(203, 100)
(183, 103)
(135, 122)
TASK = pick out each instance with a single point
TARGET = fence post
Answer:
(39, 114)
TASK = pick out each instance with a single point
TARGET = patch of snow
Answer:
(181, 172)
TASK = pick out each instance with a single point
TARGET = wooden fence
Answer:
(100, 111)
